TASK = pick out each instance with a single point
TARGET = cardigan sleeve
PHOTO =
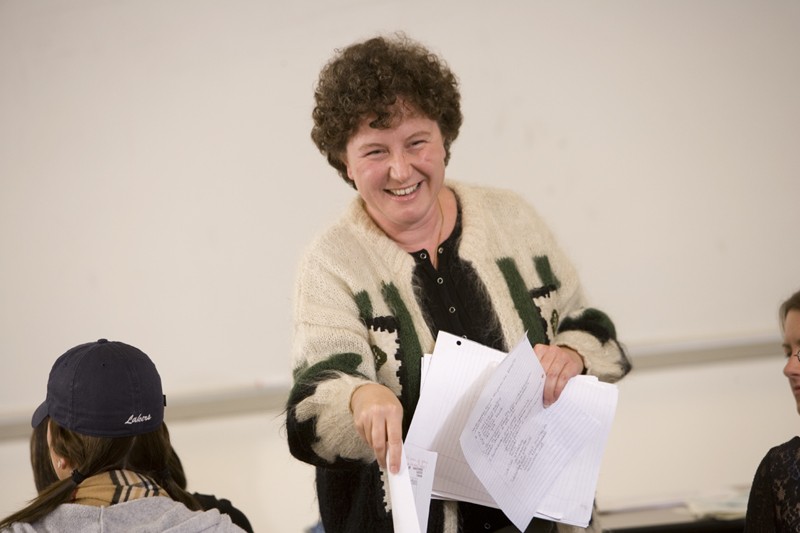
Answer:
(585, 329)
(588, 330)
(535, 287)
(331, 358)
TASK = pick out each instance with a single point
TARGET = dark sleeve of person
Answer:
(209, 501)
(760, 504)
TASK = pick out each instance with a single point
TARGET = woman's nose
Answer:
(399, 166)
(792, 366)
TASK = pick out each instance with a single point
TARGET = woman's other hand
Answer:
(378, 417)
(560, 364)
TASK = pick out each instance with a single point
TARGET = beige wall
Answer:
(683, 433)
(157, 185)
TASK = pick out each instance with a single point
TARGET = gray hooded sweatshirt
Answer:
(151, 515)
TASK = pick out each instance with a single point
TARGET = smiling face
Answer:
(398, 171)
(791, 346)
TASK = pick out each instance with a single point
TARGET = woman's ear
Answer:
(61, 464)
(349, 174)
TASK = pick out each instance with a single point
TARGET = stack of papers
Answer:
(481, 434)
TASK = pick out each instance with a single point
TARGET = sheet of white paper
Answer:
(519, 450)
(423, 367)
(404, 509)
(456, 374)
(578, 424)
(421, 470)
(571, 496)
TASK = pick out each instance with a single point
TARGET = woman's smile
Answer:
(403, 192)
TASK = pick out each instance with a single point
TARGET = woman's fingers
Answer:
(378, 416)
(560, 365)
(394, 431)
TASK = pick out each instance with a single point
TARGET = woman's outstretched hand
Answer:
(378, 416)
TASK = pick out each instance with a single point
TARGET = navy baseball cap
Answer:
(104, 389)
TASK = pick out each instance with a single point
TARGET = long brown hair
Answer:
(89, 455)
(149, 454)
(43, 473)
(153, 456)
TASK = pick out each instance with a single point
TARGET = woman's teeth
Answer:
(404, 192)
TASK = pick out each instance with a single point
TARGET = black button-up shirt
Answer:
(454, 299)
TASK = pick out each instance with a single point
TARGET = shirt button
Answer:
(441, 250)
(439, 280)
(423, 255)
(452, 310)
(487, 526)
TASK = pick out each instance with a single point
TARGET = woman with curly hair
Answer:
(415, 254)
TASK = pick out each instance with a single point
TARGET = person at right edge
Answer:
(413, 255)
(774, 502)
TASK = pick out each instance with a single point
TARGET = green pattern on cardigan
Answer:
(347, 362)
(526, 308)
(411, 351)
(550, 283)
(364, 306)
(365, 313)
(545, 271)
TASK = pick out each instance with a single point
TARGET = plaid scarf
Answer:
(115, 486)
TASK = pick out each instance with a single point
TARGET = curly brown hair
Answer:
(367, 79)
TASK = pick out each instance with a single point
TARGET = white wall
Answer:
(683, 433)
(157, 184)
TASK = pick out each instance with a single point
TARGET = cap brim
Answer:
(39, 414)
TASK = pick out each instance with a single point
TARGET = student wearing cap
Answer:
(142, 457)
(103, 397)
